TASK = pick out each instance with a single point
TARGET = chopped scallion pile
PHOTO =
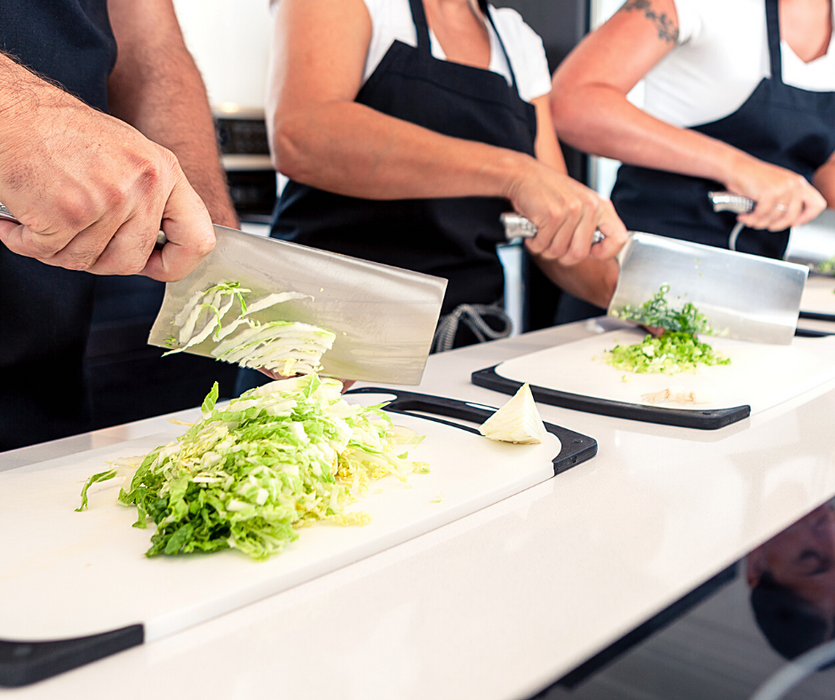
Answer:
(670, 353)
(657, 313)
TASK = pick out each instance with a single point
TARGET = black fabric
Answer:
(68, 41)
(454, 238)
(45, 311)
(779, 124)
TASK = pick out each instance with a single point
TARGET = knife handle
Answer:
(6, 215)
(517, 226)
(728, 201)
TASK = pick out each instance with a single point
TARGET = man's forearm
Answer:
(156, 87)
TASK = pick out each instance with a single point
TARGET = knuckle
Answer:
(575, 208)
(555, 212)
(118, 195)
(167, 161)
(75, 212)
(206, 245)
(150, 174)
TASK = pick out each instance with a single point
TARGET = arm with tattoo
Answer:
(591, 112)
(666, 25)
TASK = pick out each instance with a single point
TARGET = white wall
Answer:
(229, 40)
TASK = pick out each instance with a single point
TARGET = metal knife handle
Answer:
(728, 201)
(6, 215)
(518, 226)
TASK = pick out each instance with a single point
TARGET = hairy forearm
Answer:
(21, 94)
(352, 150)
(157, 88)
(599, 120)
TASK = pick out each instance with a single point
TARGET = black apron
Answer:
(45, 311)
(778, 123)
(455, 237)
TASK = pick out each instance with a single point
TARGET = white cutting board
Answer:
(65, 574)
(759, 376)
(819, 295)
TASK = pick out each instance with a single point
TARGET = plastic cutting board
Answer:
(760, 376)
(75, 587)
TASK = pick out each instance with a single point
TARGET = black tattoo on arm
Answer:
(667, 28)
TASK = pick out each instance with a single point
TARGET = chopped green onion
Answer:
(671, 353)
(657, 313)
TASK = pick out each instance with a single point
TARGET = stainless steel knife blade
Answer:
(748, 296)
(384, 317)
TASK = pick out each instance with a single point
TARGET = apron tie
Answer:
(472, 316)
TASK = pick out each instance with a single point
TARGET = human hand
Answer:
(566, 214)
(91, 192)
(784, 198)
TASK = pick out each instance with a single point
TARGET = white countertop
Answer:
(503, 602)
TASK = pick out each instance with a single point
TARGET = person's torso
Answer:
(45, 310)
(778, 123)
(449, 237)
(67, 41)
(721, 57)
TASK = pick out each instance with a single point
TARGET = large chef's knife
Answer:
(384, 317)
(746, 297)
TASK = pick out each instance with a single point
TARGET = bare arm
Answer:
(591, 112)
(321, 137)
(156, 87)
(592, 279)
(89, 189)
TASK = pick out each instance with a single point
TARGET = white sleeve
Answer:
(526, 52)
(689, 17)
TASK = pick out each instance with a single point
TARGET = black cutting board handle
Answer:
(22, 663)
(575, 448)
(704, 420)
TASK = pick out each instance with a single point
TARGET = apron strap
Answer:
(489, 14)
(421, 27)
(772, 21)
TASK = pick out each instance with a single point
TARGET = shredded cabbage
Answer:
(249, 474)
(223, 314)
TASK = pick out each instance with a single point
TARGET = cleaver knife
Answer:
(384, 317)
(745, 297)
